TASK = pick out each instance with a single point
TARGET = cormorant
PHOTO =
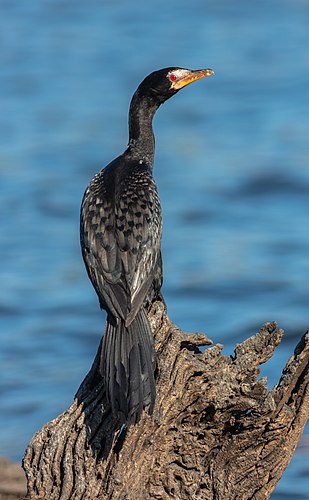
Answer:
(120, 232)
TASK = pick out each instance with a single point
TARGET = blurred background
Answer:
(232, 167)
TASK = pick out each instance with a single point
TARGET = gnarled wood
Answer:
(216, 432)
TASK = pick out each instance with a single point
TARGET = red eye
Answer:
(173, 78)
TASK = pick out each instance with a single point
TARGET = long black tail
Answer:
(127, 365)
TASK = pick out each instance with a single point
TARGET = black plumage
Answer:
(121, 227)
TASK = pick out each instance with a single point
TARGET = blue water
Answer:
(232, 166)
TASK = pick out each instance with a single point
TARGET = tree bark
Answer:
(216, 432)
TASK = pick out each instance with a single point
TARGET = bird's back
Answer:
(120, 239)
(120, 235)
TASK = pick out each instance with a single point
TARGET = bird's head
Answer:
(164, 83)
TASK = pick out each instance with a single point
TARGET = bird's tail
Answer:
(127, 365)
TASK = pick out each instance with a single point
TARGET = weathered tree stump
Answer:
(216, 432)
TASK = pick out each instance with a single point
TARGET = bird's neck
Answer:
(141, 137)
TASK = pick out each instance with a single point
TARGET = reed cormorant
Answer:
(120, 233)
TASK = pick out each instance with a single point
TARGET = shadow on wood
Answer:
(216, 432)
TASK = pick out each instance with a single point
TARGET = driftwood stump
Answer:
(216, 432)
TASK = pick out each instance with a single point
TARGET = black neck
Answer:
(141, 138)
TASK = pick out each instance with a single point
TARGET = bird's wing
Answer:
(121, 243)
(138, 235)
(99, 248)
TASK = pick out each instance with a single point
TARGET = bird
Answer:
(120, 236)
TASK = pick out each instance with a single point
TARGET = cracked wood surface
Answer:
(216, 432)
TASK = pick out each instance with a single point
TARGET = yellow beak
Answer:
(192, 77)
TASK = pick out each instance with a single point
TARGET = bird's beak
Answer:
(191, 77)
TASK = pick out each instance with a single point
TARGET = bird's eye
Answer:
(173, 77)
